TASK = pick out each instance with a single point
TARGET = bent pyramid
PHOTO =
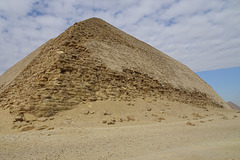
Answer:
(233, 106)
(94, 61)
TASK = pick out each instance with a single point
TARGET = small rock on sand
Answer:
(149, 109)
(17, 124)
(51, 118)
(225, 117)
(190, 123)
(110, 122)
(154, 115)
(106, 113)
(50, 128)
(148, 100)
(130, 118)
(18, 118)
(29, 117)
(104, 121)
(184, 116)
(27, 128)
(86, 112)
(69, 118)
(42, 127)
(42, 119)
(159, 119)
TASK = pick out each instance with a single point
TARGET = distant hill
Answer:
(233, 106)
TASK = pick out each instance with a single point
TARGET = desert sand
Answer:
(212, 134)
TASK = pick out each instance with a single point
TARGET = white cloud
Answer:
(13, 9)
(202, 34)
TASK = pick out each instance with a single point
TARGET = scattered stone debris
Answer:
(235, 116)
(197, 115)
(190, 123)
(111, 122)
(183, 116)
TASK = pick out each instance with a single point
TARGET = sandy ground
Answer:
(214, 135)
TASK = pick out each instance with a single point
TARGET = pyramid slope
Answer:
(92, 60)
(7, 77)
(124, 51)
(233, 106)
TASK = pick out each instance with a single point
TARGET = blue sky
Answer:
(202, 34)
(226, 82)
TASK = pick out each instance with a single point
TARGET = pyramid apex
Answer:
(93, 20)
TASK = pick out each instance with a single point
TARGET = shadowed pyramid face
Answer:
(94, 61)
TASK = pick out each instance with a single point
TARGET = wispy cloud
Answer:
(202, 34)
